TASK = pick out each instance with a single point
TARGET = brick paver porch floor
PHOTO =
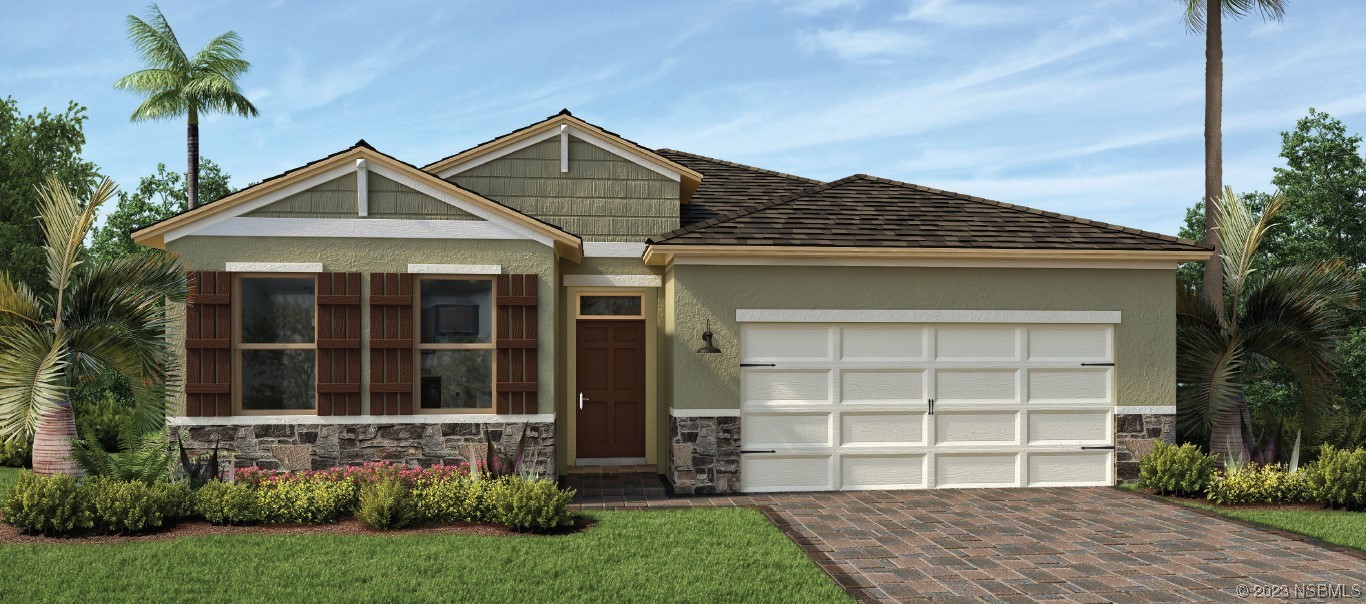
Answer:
(1009, 545)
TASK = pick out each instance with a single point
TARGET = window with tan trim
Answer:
(601, 305)
(274, 344)
(454, 344)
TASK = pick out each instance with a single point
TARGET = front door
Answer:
(611, 381)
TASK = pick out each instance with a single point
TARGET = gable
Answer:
(602, 196)
(335, 198)
(392, 199)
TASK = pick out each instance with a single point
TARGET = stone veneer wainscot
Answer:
(1135, 434)
(704, 455)
(318, 445)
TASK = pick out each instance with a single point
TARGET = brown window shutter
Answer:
(339, 344)
(208, 345)
(516, 341)
(391, 344)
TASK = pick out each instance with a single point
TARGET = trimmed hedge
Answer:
(1173, 470)
(51, 505)
(1255, 483)
(1338, 478)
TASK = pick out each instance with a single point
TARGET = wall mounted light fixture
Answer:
(709, 347)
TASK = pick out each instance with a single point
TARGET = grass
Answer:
(8, 476)
(703, 555)
(1334, 526)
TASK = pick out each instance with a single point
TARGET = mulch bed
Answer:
(1287, 507)
(10, 535)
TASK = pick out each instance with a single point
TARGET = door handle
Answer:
(931, 406)
(582, 398)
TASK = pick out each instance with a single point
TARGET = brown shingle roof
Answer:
(730, 187)
(866, 211)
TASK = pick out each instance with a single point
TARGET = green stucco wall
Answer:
(603, 197)
(360, 255)
(387, 198)
(1145, 349)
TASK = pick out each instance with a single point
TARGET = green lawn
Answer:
(703, 555)
(1334, 526)
(7, 478)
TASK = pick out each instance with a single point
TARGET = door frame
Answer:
(568, 405)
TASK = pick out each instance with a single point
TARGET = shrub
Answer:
(125, 507)
(17, 453)
(1338, 478)
(452, 499)
(528, 504)
(51, 505)
(227, 503)
(1344, 430)
(101, 419)
(385, 504)
(306, 501)
(174, 499)
(1258, 484)
(1170, 469)
(146, 458)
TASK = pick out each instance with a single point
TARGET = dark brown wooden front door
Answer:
(611, 378)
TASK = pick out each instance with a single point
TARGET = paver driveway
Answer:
(1079, 544)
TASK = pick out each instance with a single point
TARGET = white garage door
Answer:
(831, 406)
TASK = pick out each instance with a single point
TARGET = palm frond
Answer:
(217, 93)
(32, 378)
(1193, 15)
(152, 81)
(1241, 234)
(18, 303)
(165, 105)
(1194, 308)
(1208, 375)
(1195, 10)
(222, 55)
(65, 226)
(156, 42)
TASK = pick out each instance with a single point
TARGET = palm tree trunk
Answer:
(1214, 150)
(1226, 436)
(52, 442)
(192, 151)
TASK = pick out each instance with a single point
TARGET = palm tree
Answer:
(174, 84)
(1206, 16)
(1290, 316)
(101, 316)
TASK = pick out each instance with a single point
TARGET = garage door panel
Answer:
(975, 470)
(786, 387)
(760, 473)
(1070, 343)
(976, 385)
(976, 343)
(1090, 468)
(785, 342)
(888, 386)
(881, 429)
(862, 472)
(785, 429)
(1077, 427)
(1079, 385)
(981, 427)
(882, 342)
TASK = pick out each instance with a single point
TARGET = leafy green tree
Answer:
(31, 148)
(1324, 184)
(1206, 16)
(1291, 316)
(158, 197)
(99, 316)
(175, 84)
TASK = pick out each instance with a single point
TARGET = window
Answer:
(609, 306)
(455, 348)
(275, 352)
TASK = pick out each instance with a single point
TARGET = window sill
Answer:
(423, 418)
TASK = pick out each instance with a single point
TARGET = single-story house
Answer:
(739, 329)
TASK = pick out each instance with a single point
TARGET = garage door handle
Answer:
(1097, 364)
(743, 451)
(757, 365)
(1106, 447)
(931, 406)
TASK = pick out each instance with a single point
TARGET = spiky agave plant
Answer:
(101, 316)
(1291, 316)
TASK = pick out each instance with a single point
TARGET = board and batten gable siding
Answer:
(1145, 339)
(603, 197)
(367, 255)
(387, 198)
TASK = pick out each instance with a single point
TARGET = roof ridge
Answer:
(1036, 211)
(737, 165)
(728, 216)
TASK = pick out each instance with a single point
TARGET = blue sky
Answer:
(1087, 107)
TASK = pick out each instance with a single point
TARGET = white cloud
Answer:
(857, 44)
(953, 13)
